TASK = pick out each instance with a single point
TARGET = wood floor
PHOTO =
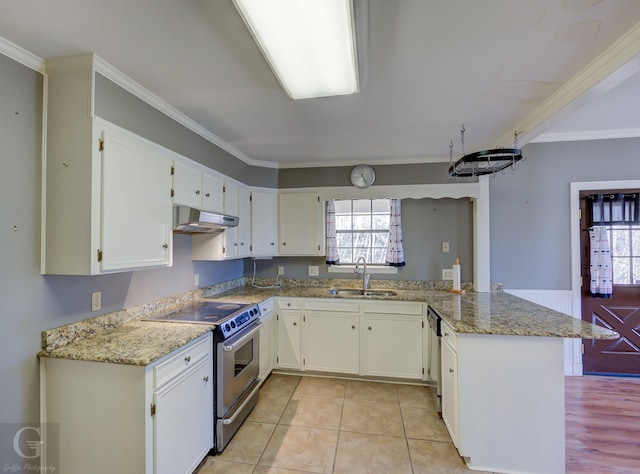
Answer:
(602, 424)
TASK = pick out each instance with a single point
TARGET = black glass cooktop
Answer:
(203, 311)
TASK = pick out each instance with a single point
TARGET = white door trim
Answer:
(574, 217)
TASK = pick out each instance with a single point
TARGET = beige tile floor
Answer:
(324, 425)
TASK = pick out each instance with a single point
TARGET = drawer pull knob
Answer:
(369, 328)
(353, 327)
(187, 359)
(295, 324)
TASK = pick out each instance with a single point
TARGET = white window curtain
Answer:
(395, 252)
(601, 266)
(332, 244)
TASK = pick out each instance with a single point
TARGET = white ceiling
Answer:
(432, 65)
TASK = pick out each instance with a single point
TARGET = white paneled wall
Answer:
(561, 301)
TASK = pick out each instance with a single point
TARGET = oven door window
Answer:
(243, 357)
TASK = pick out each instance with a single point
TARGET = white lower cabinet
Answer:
(449, 361)
(377, 338)
(131, 419)
(331, 337)
(289, 322)
(267, 338)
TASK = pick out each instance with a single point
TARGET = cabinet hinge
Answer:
(250, 198)
(173, 170)
(100, 144)
(304, 361)
(318, 198)
(318, 248)
(250, 248)
(304, 318)
(423, 328)
(579, 214)
(580, 281)
(423, 371)
(582, 348)
(224, 189)
(277, 317)
(277, 359)
(153, 409)
(172, 192)
(99, 255)
(224, 249)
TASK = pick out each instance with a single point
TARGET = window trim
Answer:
(371, 268)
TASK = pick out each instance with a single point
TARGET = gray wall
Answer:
(530, 231)
(426, 223)
(118, 106)
(32, 303)
(424, 173)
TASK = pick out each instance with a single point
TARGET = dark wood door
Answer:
(621, 313)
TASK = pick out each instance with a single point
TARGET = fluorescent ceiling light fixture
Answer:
(309, 44)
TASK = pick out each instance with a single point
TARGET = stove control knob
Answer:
(233, 324)
(226, 327)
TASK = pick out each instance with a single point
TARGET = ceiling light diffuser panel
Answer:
(310, 45)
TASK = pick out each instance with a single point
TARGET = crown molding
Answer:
(586, 135)
(124, 81)
(373, 162)
(21, 55)
(617, 63)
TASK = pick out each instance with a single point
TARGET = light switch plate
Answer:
(447, 273)
(445, 247)
(280, 270)
(314, 271)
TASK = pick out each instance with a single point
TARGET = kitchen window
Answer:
(625, 254)
(362, 230)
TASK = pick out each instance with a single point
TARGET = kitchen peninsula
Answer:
(502, 362)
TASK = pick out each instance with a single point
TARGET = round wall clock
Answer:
(363, 176)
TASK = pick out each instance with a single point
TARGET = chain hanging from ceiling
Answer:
(483, 162)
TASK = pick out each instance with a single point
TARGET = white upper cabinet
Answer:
(196, 188)
(244, 224)
(263, 224)
(107, 192)
(301, 229)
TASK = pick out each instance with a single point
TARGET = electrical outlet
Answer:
(447, 273)
(96, 301)
(196, 279)
(280, 270)
(445, 247)
(314, 271)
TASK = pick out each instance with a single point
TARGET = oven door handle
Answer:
(253, 388)
(239, 342)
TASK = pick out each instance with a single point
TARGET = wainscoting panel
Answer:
(561, 301)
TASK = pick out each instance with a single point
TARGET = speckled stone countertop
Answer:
(495, 312)
(132, 343)
(123, 337)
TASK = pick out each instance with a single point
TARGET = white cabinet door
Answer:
(393, 346)
(183, 422)
(263, 224)
(244, 225)
(136, 204)
(266, 344)
(231, 208)
(212, 193)
(300, 229)
(289, 339)
(449, 361)
(187, 185)
(331, 341)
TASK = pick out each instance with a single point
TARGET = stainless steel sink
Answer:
(354, 292)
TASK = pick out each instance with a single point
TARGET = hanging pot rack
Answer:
(483, 162)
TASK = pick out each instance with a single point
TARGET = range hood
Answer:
(187, 220)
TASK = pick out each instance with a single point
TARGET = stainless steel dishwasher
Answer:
(435, 368)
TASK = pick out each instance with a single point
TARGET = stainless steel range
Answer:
(236, 360)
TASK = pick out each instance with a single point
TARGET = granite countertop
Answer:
(124, 337)
(471, 313)
(133, 343)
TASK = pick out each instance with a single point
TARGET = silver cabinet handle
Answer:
(187, 359)
(450, 371)
(165, 246)
(446, 334)
(207, 195)
(197, 191)
(206, 378)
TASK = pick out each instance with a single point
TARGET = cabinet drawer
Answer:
(266, 306)
(326, 305)
(289, 303)
(181, 361)
(393, 307)
(450, 336)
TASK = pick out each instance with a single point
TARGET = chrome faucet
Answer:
(365, 276)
